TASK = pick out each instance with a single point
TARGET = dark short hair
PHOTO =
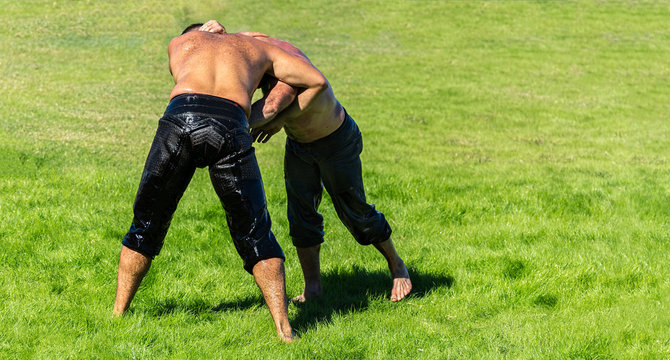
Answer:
(191, 27)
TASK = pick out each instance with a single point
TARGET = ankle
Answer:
(396, 264)
(398, 269)
(283, 327)
(313, 291)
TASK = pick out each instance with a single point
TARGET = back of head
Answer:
(192, 27)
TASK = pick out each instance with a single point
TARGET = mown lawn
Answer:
(519, 150)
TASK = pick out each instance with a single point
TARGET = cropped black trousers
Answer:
(199, 131)
(332, 162)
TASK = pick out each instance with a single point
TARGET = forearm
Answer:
(277, 101)
(294, 70)
(279, 97)
(257, 117)
(304, 101)
(265, 110)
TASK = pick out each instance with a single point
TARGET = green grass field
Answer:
(519, 150)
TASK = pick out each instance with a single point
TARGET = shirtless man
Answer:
(205, 124)
(322, 149)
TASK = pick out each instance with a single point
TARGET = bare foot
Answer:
(306, 296)
(401, 282)
(289, 337)
(300, 299)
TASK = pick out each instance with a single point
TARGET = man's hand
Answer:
(214, 27)
(264, 133)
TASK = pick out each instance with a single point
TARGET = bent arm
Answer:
(297, 73)
(278, 98)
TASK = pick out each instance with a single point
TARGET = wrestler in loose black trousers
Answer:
(197, 131)
(334, 162)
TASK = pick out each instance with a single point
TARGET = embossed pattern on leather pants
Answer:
(203, 131)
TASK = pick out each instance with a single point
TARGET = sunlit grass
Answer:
(518, 149)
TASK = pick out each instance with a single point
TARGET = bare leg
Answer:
(269, 276)
(132, 268)
(401, 282)
(311, 272)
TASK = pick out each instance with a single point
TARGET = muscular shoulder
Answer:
(182, 40)
(203, 38)
(289, 48)
(284, 45)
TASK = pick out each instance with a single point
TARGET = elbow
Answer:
(322, 84)
(270, 110)
(283, 97)
(317, 82)
(319, 86)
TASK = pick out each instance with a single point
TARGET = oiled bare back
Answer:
(224, 65)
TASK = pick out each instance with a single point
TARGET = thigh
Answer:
(343, 179)
(167, 173)
(344, 182)
(237, 181)
(341, 171)
(303, 195)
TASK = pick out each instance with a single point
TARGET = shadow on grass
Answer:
(351, 290)
(345, 291)
(199, 307)
(243, 304)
